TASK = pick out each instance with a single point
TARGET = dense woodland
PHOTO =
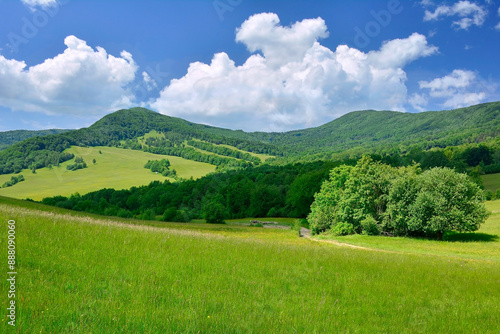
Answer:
(274, 191)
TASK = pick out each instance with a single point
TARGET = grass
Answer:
(491, 182)
(89, 274)
(115, 168)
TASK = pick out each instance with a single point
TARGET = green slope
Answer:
(387, 131)
(115, 168)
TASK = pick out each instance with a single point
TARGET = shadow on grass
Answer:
(470, 237)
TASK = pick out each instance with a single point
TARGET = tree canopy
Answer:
(374, 198)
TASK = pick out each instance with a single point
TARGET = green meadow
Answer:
(114, 168)
(491, 182)
(80, 273)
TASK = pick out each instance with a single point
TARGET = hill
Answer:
(353, 134)
(8, 138)
(372, 131)
(124, 129)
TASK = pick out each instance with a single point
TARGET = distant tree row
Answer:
(13, 180)
(225, 151)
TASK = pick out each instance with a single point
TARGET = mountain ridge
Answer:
(354, 134)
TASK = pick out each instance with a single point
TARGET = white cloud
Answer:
(39, 3)
(455, 90)
(149, 82)
(281, 45)
(81, 80)
(277, 90)
(418, 101)
(470, 13)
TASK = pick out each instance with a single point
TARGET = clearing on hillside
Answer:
(114, 168)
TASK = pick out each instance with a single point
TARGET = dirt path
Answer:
(306, 233)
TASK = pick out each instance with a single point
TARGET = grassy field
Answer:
(491, 182)
(115, 168)
(88, 274)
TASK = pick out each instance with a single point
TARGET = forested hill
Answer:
(388, 131)
(353, 134)
(8, 138)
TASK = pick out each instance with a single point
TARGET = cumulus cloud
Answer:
(469, 13)
(291, 81)
(81, 80)
(455, 90)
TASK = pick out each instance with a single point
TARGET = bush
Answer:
(341, 229)
(446, 201)
(488, 195)
(13, 180)
(297, 226)
(370, 226)
(213, 213)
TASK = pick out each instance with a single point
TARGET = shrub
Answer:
(341, 229)
(13, 180)
(213, 213)
(488, 195)
(296, 226)
(370, 226)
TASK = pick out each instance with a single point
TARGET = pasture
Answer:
(114, 168)
(86, 273)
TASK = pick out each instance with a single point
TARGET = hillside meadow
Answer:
(90, 274)
(491, 182)
(114, 168)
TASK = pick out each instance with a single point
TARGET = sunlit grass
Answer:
(114, 168)
(89, 274)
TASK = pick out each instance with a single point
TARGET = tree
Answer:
(323, 209)
(444, 201)
(213, 213)
(372, 198)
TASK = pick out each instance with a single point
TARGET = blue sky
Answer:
(241, 64)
